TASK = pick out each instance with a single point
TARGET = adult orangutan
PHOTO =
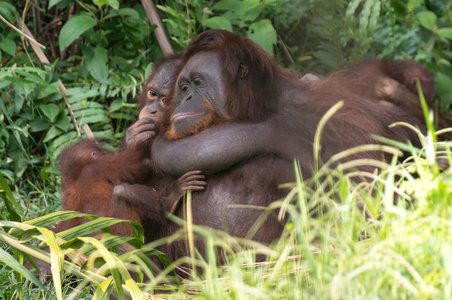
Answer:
(94, 181)
(395, 83)
(240, 102)
(241, 118)
(90, 175)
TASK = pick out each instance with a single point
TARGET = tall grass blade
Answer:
(318, 132)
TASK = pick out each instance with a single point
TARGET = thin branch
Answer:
(61, 86)
(30, 38)
(160, 34)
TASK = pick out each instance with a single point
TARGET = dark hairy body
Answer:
(242, 119)
(284, 119)
(98, 182)
(95, 181)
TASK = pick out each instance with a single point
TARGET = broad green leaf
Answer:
(104, 289)
(115, 266)
(116, 105)
(8, 11)
(249, 10)
(7, 259)
(97, 66)
(135, 62)
(39, 124)
(445, 32)
(53, 2)
(218, 23)
(88, 228)
(226, 5)
(104, 119)
(85, 104)
(20, 165)
(8, 46)
(443, 84)
(375, 14)
(427, 19)
(123, 12)
(412, 4)
(64, 123)
(264, 34)
(74, 28)
(10, 202)
(31, 77)
(52, 218)
(61, 142)
(50, 111)
(123, 116)
(112, 3)
(56, 258)
(52, 134)
(89, 112)
(75, 95)
(351, 8)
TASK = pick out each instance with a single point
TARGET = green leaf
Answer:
(445, 32)
(74, 28)
(53, 2)
(249, 10)
(77, 94)
(102, 119)
(57, 145)
(8, 46)
(443, 84)
(104, 289)
(52, 133)
(113, 3)
(11, 204)
(412, 4)
(427, 19)
(351, 8)
(264, 34)
(39, 124)
(64, 123)
(50, 111)
(20, 165)
(52, 218)
(8, 11)
(56, 258)
(226, 5)
(6, 258)
(218, 23)
(127, 12)
(97, 66)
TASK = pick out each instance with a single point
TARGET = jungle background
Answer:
(103, 50)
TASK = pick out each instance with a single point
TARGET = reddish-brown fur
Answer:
(209, 120)
(89, 175)
(395, 83)
(266, 92)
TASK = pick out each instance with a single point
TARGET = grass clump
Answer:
(388, 236)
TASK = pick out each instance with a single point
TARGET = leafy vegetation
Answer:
(103, 50)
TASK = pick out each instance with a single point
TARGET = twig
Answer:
(160, 34)
(22, 33)
(61, 86)
(286, 52)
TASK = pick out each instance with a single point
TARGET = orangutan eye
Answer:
(197, 81)
(152, 94)
(165, 101)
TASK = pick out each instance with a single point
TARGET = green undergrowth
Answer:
(348, 234)
(388, 236)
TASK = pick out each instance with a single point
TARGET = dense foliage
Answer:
(102, 50)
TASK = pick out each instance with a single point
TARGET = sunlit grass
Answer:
(387, 235)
